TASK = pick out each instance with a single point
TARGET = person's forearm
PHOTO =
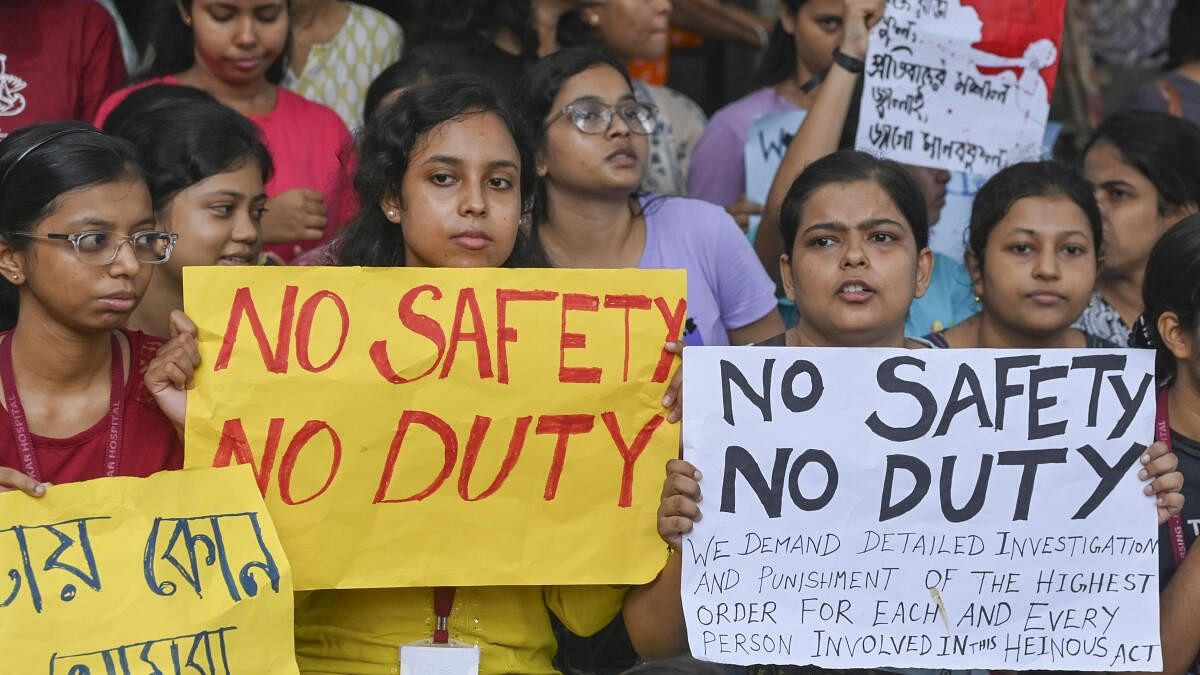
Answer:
(818, 136)
(653, 614)
(1180, 617)
(712, 18)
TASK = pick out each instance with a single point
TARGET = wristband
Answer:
(848, 62)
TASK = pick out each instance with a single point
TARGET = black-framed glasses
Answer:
(101, 248)
(594, 117)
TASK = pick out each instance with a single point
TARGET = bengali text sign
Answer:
(482, 417)
(181, 572)
(943, 509)
(963, 85)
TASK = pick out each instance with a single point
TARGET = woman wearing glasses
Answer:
(77, 247)
(592, 147)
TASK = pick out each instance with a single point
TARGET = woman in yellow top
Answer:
(445, 158)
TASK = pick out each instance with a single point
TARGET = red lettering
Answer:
(275, 360)
(483, 355)
(506, 333)
(580, 303)
(674, 322)
(515, 444)
(449, 444)
(629, 453)
(626, 302)
(304, 330)
(420, 324)
(292, 454)
(234, 445)
(564, 426)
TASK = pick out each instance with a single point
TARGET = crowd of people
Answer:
(311, 132)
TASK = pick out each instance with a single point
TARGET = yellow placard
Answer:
(428, 427)
(181, 572)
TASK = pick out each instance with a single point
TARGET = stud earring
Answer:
(391, 214)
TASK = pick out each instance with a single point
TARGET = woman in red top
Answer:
(235, 50)
(77, 246)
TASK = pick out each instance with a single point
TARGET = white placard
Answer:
(935, 96)
(921, 508)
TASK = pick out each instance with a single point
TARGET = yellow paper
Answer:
(359, 422)
(181, 571)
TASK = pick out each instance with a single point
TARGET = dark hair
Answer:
(1029, 179)
(680, 665)
(779, 58)
(852, 166)
(1165, 149)
(172, 48)
(419, 65)
(536, 93)
(183, 138)
(387, 141)
(42, 162)
(454, 21)
(1182, 46)
(1171, 284)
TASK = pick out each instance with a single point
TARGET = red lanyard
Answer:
(443, 604)
(1162, 433)
(116, 412)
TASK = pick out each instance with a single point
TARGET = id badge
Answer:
(427, 658)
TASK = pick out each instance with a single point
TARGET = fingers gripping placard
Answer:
(922, 508)
(508, 423)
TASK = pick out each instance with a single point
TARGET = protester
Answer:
(77, 246)
(337, 49)
(1034, 248)
(1145, 167)
(591, 136)
(857, 236)
(1178, 91)
(205, 166)
(443, 174)
(236, 51)
(636, 29)
(798, 56)
(1171, 326)
(59, 59)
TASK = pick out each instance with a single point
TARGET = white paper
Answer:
(813, 574)
(930, 98)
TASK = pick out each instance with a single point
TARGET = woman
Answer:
(78, 245)
(1034, 248)
(337, 49)
(1171, 326)
(857, 238)
(206, 167)
(591, 138)
(1145, 167)
(798, 56)
(235, 50)
(637, 29)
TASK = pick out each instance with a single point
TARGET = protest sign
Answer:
(505, 423)
(922, 508)
(177, 573)
(768, 141)
(963, 85)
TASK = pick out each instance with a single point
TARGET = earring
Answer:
(392, 214)
(592, 18)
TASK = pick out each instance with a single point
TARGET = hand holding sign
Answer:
(857, 21)
(850, 537)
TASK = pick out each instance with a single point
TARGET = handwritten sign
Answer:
(505, 423)
(922, 508)
(769, 138)
(960, 84)
(177, 573)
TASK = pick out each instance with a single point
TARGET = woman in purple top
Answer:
(591, 136)
(799, 53)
